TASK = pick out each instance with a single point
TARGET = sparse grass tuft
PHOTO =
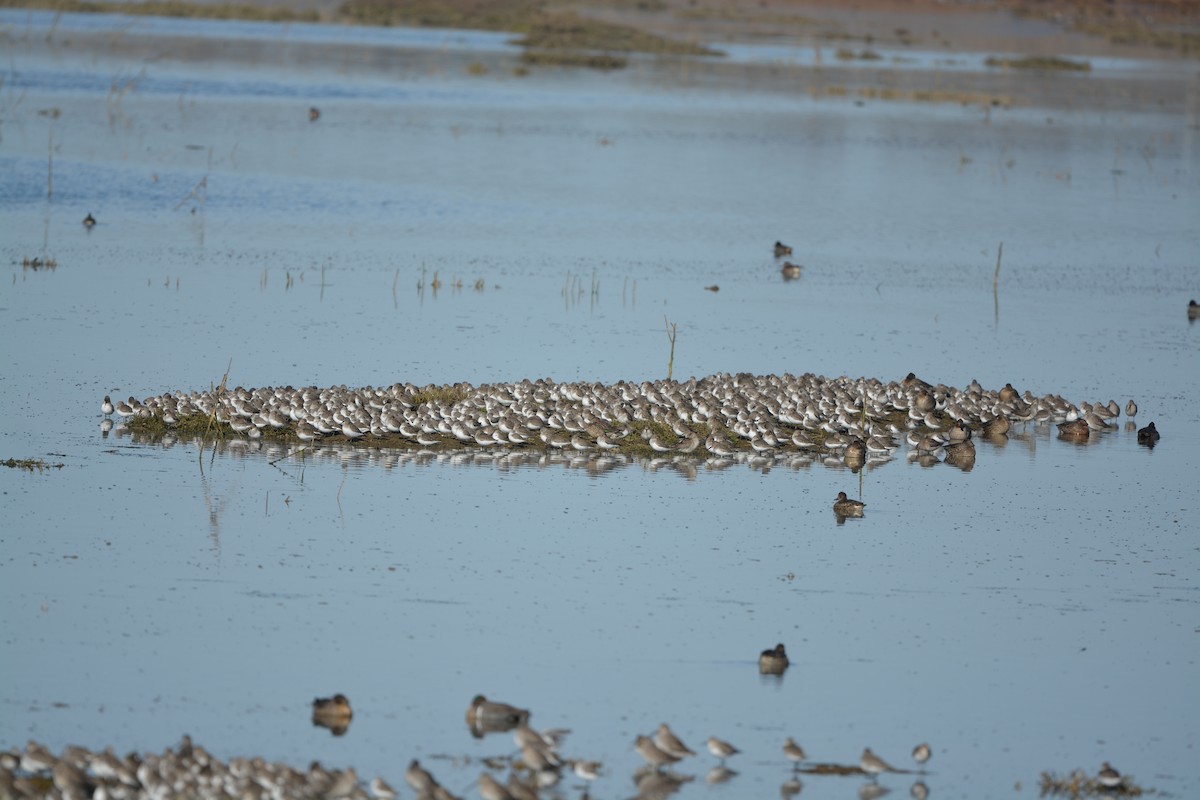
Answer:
(30, 464)
(171, 8)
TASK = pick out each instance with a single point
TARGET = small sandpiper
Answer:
(420, 779)
(381, 790)
(107, 408)
(794, 752)
(922, 753)
(1108, 777)
(666, 740)
(490, 788)
(653, 755)
(1131, 408)
(720, 749)
(873, 764)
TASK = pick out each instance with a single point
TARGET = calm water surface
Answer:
(1035, 613)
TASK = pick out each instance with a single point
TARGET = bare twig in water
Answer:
(50, 164)
(212, 418)
(671, 328)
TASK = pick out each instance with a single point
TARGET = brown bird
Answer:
(773, 661)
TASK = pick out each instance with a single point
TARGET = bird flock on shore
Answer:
(719, 416)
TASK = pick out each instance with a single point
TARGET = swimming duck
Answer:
(773, 661)
(333, 713)
(484, 716)
(89, 221)
(997, 427)
(1075, 427)
(1148, 435)
(1193, 307)
(846, 507)
(790, 271)
(782, 250)
(314, 114)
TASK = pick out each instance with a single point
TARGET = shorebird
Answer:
(1109, 778)
(921, 753)
(720, 749)
(420, 779)
(773, 661)
(587, 770)
(1131, 408)
(653, 755)
(794, 752)
(666, 740)
(873, 764)
(844, 506)
(381, 790)
(490, 788)
(107, 408)
(519, 789)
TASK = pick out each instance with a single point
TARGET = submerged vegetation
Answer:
(30, 464)
(1045, 63)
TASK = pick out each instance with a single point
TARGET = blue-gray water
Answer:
(1036, 613)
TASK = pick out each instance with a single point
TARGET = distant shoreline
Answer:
(1133, 29)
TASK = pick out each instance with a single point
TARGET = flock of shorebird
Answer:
(719, 416)
(540, 765)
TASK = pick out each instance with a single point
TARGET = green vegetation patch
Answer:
(566, 31)
(1040, 63)
(30, 464)
(171, 8)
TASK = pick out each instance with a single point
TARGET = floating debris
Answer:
(1107, 783)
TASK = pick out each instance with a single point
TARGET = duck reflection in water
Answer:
(333, 713)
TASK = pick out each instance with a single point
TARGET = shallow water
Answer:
(1035, 613)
